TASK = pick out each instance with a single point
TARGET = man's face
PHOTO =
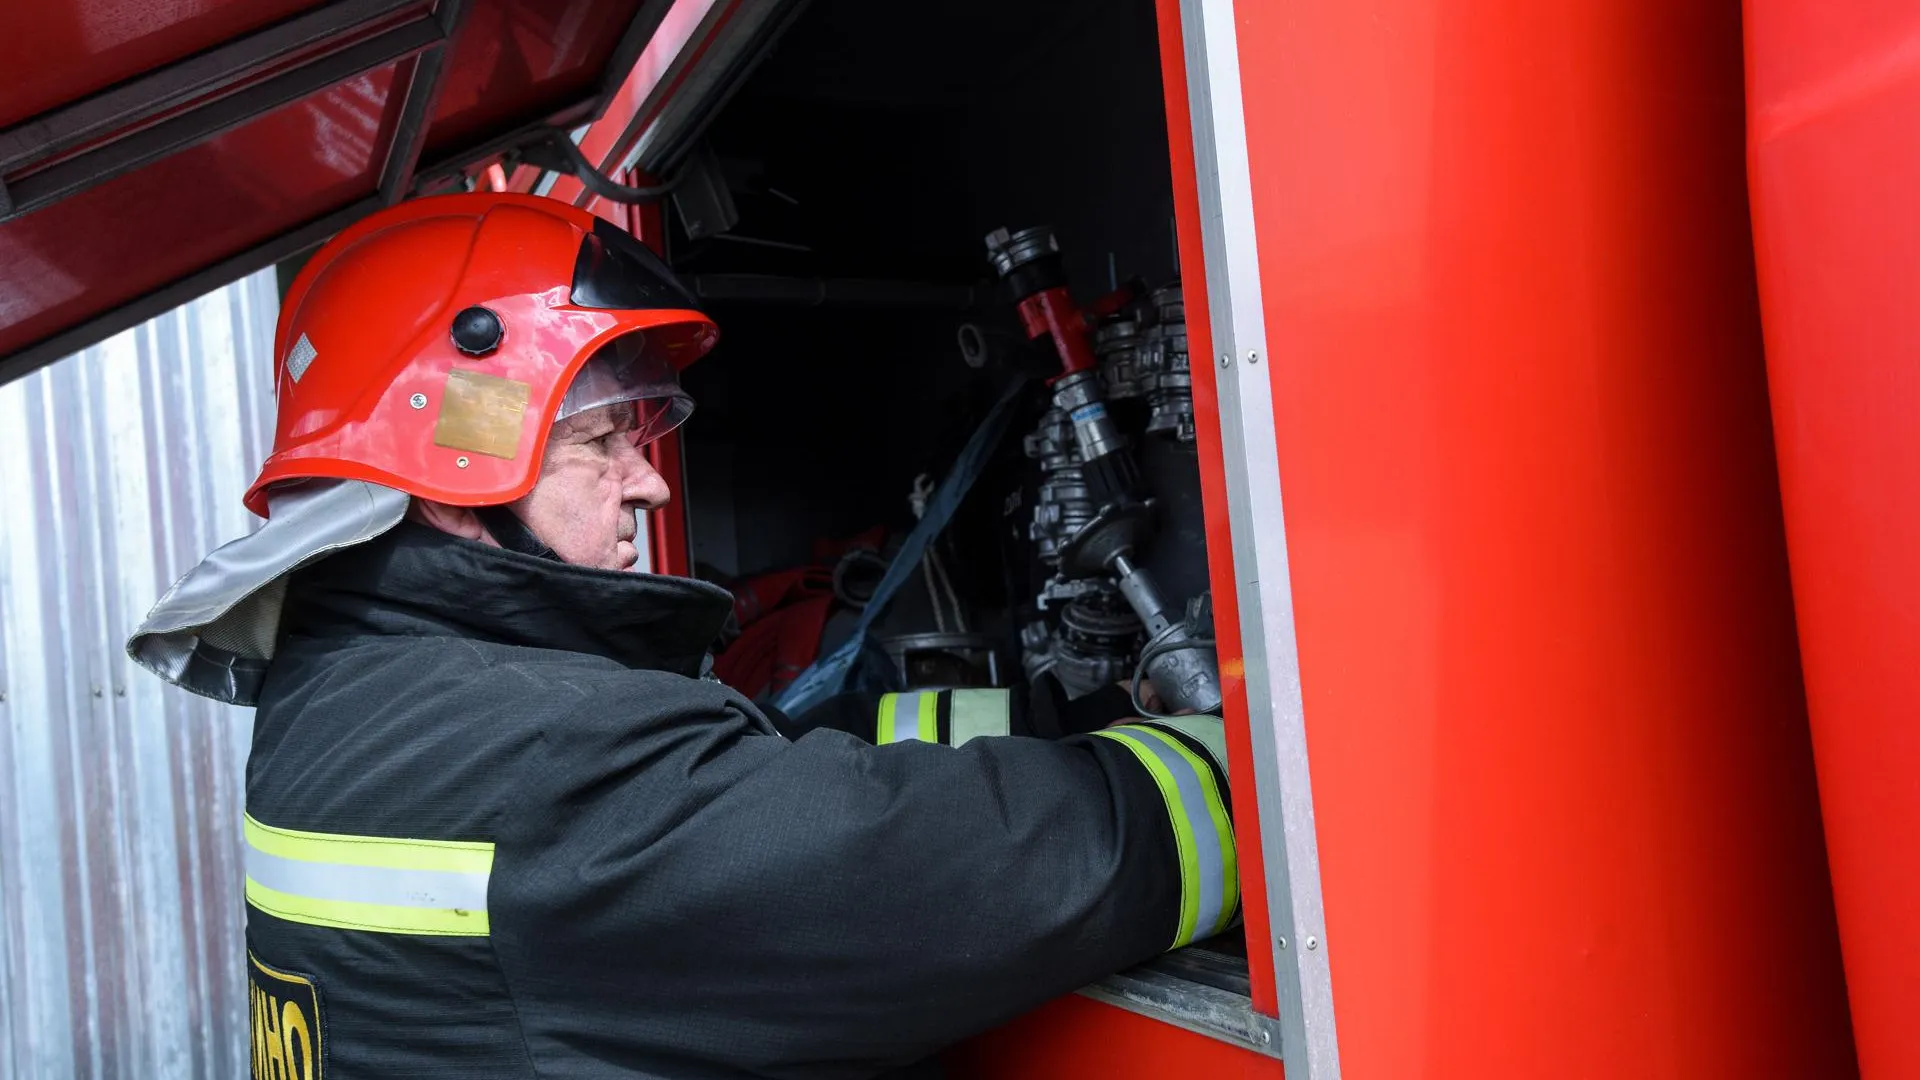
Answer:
(592, 481)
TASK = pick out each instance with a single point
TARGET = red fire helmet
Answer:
(431, 346)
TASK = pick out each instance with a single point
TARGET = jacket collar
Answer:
(417, 581)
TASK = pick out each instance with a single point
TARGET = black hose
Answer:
(559, 153)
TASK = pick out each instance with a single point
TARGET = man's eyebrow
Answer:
(575, 429)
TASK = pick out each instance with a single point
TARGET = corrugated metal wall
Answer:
(121, 947)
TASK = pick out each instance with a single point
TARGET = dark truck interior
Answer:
(860, 181)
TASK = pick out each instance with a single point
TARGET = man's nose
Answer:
(641, 483)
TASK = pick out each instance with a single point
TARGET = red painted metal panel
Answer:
(1564, 795)
(513, 63)
(128, 236)
(516, 60)
(1079, 1037)
(616, 132)
(1834, 104)
(54, 53)
(1213, 494)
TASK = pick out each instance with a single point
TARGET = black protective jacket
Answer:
(499, 827)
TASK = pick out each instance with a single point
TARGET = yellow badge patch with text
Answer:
(287, 1023)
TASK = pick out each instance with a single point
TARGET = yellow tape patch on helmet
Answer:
(481, 413)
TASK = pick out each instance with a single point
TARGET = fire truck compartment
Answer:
(833, 213)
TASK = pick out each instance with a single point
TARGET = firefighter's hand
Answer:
(1151, 700)
(1150, 697)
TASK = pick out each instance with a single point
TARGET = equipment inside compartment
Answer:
(880, 231)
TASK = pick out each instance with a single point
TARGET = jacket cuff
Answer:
(1187, 759)
(949, 717)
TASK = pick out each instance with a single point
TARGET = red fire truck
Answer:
(1549, 391)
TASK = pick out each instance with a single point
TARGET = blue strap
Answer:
(858, 663)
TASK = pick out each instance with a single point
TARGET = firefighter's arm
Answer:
(831, 901)
(951, 717)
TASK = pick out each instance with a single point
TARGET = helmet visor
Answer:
(626, 370)
(615, 272)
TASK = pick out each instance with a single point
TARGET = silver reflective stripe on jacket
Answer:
(214, 631)
(1202, 826)
(380, 884)
(908, 718)
(1206, 730)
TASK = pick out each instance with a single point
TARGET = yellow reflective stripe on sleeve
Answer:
(1202, 831)
(911, 717)
(978, 713)
(1219, 816)
(369, 882)
(1208, 731)
(1183, 834)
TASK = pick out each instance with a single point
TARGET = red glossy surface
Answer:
(1052, 313)
(1078, 1037)
(54, 53)
(1834, 99)
(376, 305)
(119, 240)
(516, 60)
(1564, 793)
(1213, 494)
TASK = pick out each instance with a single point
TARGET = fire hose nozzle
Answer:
(1010, 251)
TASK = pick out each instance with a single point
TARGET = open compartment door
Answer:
(151, 151)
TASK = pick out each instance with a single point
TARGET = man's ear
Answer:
(458, 521)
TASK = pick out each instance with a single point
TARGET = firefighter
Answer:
(498, 824)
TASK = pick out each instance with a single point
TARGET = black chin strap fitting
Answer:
(512, 533)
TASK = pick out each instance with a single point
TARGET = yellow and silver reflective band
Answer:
(950, 716)
(1208, 731)
(978, 713)
(908, 718)
(1202, 828)
(369, 882)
